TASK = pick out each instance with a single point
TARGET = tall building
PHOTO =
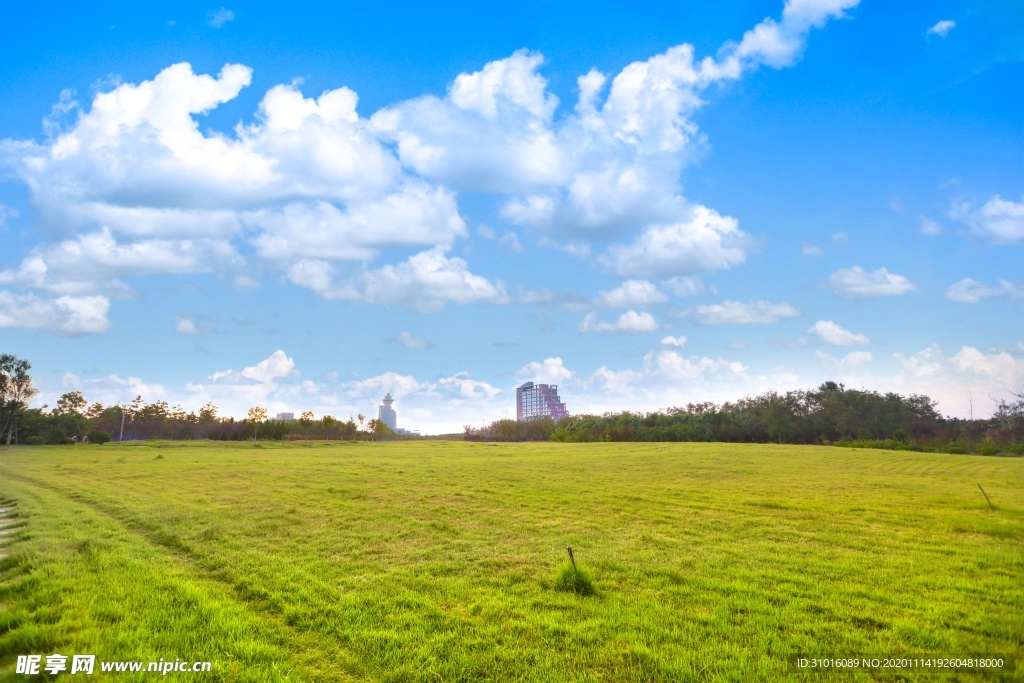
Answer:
(387, 414)
(537, 400)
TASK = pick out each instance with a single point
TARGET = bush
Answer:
(99, 437)
(988, 449)
(574, 580)
(956, 449)
(34, 441)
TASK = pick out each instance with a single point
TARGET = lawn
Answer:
(437, 561)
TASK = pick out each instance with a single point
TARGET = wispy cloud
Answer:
(736, 312)
(217, 18)
(856, 283)
(942, 28)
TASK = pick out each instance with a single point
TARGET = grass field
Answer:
(436, 561)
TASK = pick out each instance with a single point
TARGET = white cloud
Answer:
(632, 293)
(308, 181)
(411, 341)
(425, 282)
(673, 341)
(970, 291)
(1001, 221)
(930, 228)
(276, 366)
(705, 241)
(686, 286)
(808, 249)
(855, 283)
(67, 315)
(780, 44)
(217, 18)
(995, 367)
(186, 326)
(550, 371)
(942, 28)
(673, 366)
(630, 321)
(730, 312)
(829, 332)
(462, 386)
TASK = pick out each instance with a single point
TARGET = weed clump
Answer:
(572, 579)
(159, 456)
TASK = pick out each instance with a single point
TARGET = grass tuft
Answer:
(573, 579)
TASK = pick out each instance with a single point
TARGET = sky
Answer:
(303, 206)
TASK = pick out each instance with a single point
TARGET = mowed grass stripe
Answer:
(424, 560)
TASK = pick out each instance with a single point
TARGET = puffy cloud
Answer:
(779, 44)
(829, 332)
(808, 249)
(998, 367)
(673, 341)
(685, 286)
(970, 291)
(89, 262)
(425, 282)
(630, 321)
(67, 315)
(276, 366)
(1001, 221)
(462, 386)
(672, 365)
(411, 341)
(953, 381)
(705, 241)
(308, 181)
(855, 283)
(412, 216)
(942, 28)
(632, 293)
(550, 371)
(730, 312)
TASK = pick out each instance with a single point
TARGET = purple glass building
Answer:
(537, 400)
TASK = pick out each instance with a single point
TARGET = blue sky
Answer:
(306, 206)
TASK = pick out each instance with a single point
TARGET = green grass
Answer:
(435, 561)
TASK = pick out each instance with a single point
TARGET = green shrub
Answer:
(35, 441)
(956, 449)
(572, 579)
(988, 449)
(99, 437)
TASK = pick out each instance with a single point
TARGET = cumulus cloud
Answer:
(308, 182)
(673, 341)
(275, 366)
(424, 282)
(942, 28)
(970, 291)
(704, 241)
(67, 315)
(411, 341)
(1000, 221)
(856, 283)
(550, 371)
(632, 293)
(828, 332)
(732, 312)
(630, 321)
(674, 366)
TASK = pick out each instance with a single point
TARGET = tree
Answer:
(15, 391)
(256, 415)
(361, 418)
(69, 403)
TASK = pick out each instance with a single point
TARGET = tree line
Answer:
(830, 414)
(75, 419)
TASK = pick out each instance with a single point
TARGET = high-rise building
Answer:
(537, 400)
(387, 414)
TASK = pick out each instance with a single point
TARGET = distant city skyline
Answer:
(306, 207)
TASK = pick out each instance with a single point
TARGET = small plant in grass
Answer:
(572, 579)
